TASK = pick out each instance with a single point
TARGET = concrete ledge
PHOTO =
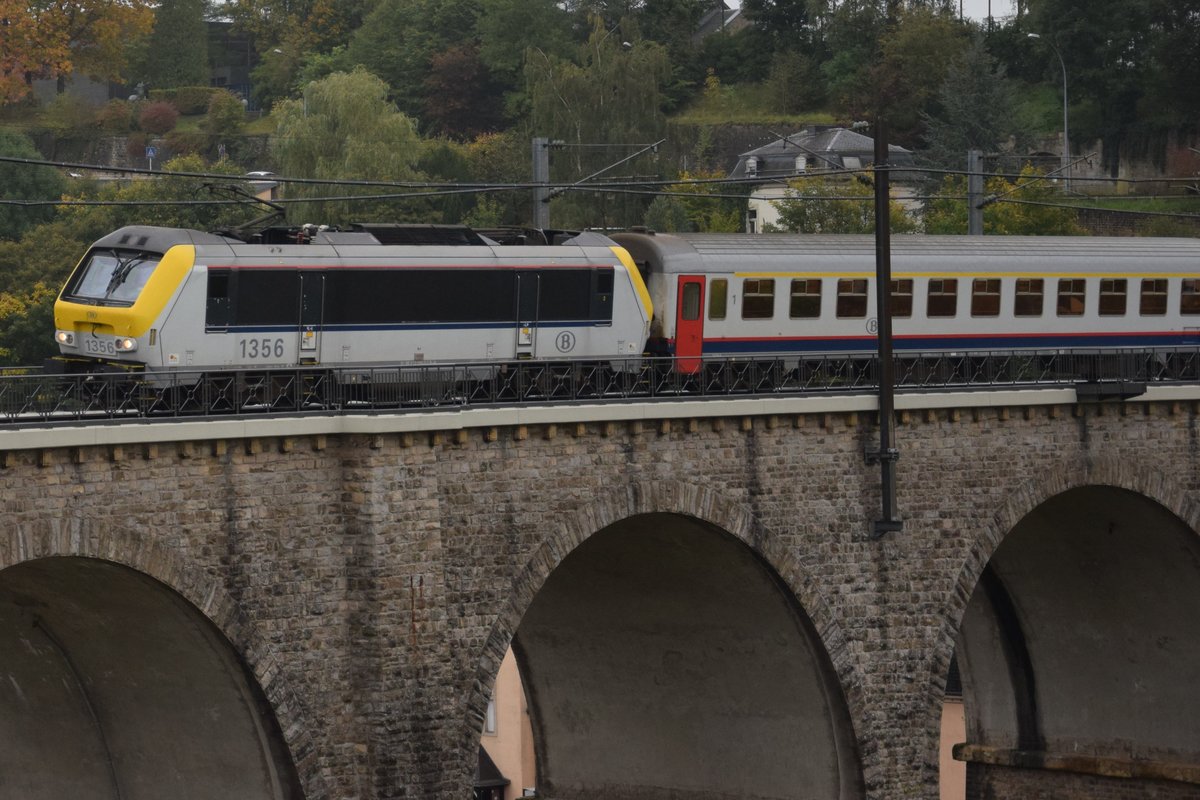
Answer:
(143, 431)
(1103, 766)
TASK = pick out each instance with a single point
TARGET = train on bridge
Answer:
(154, 301)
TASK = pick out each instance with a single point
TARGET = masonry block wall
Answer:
(371, 584)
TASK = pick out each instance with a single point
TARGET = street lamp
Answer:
(1066, 157)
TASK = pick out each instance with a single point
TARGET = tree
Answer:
(345, 127)
(975, 110)
(27, 50)
(177, 52)
(508, 28)
(461, 97)
(691, 207)
(25, 182)
(820, 205)
(1027, 211)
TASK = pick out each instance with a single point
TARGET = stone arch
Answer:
(1052, 492)
(686, 500)
(78, 538)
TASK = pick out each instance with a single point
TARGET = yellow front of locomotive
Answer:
(109, 313)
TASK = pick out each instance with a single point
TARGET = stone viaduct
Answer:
(316, 607)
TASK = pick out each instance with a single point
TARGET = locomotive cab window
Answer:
(851, 298)
(806, 299)
(1113, 297)
(1154, 297)
(1189, 297)
(902, 298)
(985, 297)
(112, 277)
(1072, 297)
(718, 298)
(758, 298)
(1030, 297)
(943, 297)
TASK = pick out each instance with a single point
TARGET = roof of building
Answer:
(487, 774)
(823, 148)
(719, 18)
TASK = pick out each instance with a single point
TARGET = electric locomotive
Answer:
(155, 301)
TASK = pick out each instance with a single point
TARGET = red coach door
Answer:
(689, 323)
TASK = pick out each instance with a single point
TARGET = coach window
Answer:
(1113, 297)
(985, 297)
(851, 297)
(1154, 297)
(806, 299)
(1071, 297)
(718, 298)
(1189, 298)
(943, 297)
(758, 298)
(902, 294)
(1030, 298)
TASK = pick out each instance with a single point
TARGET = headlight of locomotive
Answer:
(65, 338)
(126, 345)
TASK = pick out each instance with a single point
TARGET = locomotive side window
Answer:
(985, 297)
(219, 306)
(902, 297)
(758, 298)
(1154, 297)
(851, 297)
(379, 297)
(1071, 297)
(943, 297)
(1189, 298)
(268, 297)
(1113, 297)
(1030, 298)
(718, 298)
(565, 294)
(689, 307)
(806, 299)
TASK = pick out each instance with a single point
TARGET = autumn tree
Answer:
(345, 128)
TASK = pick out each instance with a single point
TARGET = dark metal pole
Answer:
(888, 454)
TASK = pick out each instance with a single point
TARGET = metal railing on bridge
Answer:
(39, 398)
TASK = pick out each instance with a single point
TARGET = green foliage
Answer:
(508, 28)
(226, 114)
(345, 128)
(157, 117)
(177, 51)
(794, 83)
(186, 99)
(690, 206)
(26, 326)
(820, 205)
(1028, 211)
(25, 182)
(667, 215)
(69, 115)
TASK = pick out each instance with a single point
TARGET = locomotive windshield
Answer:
(112, 277)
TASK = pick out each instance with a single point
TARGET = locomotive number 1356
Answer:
(261, 348)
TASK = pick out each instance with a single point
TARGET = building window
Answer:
(1154, 297)
(752, 166)
(1189, 297)
(489, 720)
(943, 297)
(718, 298)
(1113, 297)
(1072, 297)
(758, 298)
(852, 297)
(801, 163)
(1031, 295)
(902, 294)
(985, 297)
(752, 221)
(806, 299)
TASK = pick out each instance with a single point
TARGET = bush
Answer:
(115, 117)
(226, 114)
(135, 145)
(158, 117)
(183, 143)
(190, 100)
(67, 113)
